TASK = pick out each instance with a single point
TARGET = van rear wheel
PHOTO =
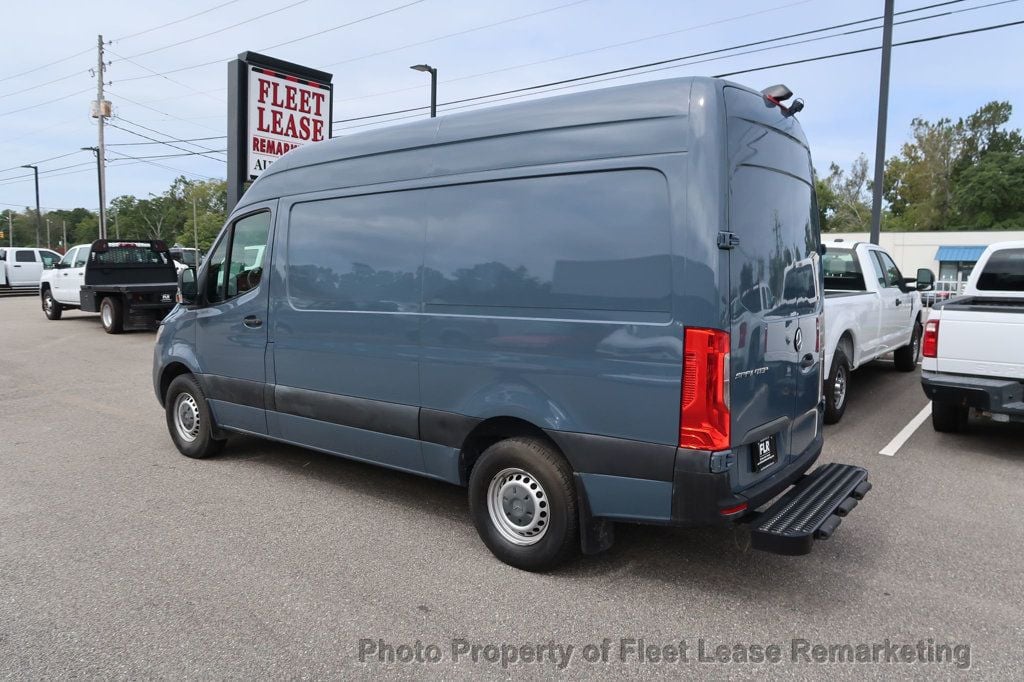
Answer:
(523, 504)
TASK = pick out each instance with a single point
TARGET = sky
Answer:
(478, 48)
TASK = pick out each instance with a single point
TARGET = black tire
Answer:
(203, 443)
(837, 387)
(949, 417)
(549, 509)
(51, 308)
(112, 315)
(906, 358)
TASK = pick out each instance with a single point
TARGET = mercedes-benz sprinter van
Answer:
(544, 302)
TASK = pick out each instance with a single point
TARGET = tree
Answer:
(923, 182)
(211, 198)
(991, 192)
(843, 204)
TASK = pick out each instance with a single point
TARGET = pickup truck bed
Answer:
(974, 345)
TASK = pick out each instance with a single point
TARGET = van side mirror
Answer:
(188, 290)
(925, 279)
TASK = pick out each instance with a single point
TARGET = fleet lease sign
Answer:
(284, 112)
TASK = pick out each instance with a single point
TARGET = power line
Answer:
(693, 56)
(269, 47)
(36, 86)
(150, 144)
(648, 67)
(42, 104)
(166, 77)
(220, 30)
(174, 146)
(176, 21)
(164, 166)
(164, 113)
(345, 25)
(36, 163)
(46, 66)
(464, 32)
(170, 138)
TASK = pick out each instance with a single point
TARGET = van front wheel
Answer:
(523, 503)
(189, 420)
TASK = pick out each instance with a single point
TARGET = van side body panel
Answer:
(536, 262)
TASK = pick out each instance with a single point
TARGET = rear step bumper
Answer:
(811, 510)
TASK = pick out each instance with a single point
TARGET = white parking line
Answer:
(903, 436)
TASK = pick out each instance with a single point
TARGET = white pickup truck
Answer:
(870, 310)
(21, 268)
(974, 344)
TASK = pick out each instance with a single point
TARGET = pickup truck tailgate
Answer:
(982, 337)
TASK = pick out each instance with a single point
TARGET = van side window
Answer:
(357, 253)
(24, 256)
(228, 277)
(589, 241)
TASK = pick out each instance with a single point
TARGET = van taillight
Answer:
(930, 346)
(704, 403)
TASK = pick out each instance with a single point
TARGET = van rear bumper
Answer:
(702, 498)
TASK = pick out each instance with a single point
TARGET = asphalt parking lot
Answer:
(121, 558)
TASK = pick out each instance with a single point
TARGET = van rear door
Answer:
(775, 356)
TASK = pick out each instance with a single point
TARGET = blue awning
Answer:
(968, 254)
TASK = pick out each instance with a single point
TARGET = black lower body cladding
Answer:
(699, 496)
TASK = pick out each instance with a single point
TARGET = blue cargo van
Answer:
(545, 302)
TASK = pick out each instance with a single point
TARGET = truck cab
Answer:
(871, 310)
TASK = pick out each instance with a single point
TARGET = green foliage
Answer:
(962, 175)
(844, 204)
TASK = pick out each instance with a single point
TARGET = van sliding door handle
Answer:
(252, 322)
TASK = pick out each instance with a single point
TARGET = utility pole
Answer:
(883, 119)
(117, 228)
(102, 108)
(10, 226)
(48, 233)
(39, 215)
(64, 240)
(195, 225)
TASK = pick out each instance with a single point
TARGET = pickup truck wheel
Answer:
(189, 419)
(112, 315)
(949, 417)
(836, 387)
(906, 358)
(51, 308)
(523, 503)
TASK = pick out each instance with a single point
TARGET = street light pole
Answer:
(39, 215)
(48, 233)
(427, 68)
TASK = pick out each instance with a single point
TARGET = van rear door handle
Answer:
(252, 322)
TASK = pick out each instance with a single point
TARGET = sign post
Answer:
(273, 107)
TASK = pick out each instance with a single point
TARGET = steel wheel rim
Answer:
(518, 507)
(106, 315)
(186, 417)
(839, 388)
(48, 302)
